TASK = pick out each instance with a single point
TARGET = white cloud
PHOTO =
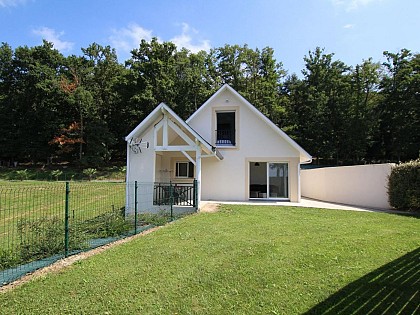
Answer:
(126, 39)
(350, 5)
(52, 36)
(11, 3)
(348, 26)
(185, 40)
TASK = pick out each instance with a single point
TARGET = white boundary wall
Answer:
(361, 185)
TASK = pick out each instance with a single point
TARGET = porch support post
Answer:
(198, 169)
(165, 131)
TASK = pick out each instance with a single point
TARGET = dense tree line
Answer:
(79, 108)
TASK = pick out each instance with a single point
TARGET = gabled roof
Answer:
(305, 157)
(156, 114)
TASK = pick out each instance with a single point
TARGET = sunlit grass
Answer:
(241, 260)
(31, 200)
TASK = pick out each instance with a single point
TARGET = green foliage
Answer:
(45, 92)
(404, 186)
(44, 237)
(90, 172)
(68, 173)
(8, 258)
(56, 174)
(22, 174)
(400, 107)
(156, 219)
(108, 224)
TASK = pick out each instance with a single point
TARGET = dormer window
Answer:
(225, 133)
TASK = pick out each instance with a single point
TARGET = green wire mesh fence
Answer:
(42, 222)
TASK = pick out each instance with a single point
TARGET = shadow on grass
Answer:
(391, 289)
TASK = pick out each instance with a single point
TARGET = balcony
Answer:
(225, 137)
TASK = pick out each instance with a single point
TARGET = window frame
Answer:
(234, 129)
(190, 169)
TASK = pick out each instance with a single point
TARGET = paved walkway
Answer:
(305, 202)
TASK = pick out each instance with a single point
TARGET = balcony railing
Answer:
(225, 137)
(175, 194)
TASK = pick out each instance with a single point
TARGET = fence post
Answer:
(66, 221)
(135, 207)
(171, 199)
(195, 192)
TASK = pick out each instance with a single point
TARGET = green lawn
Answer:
(32, 218)
(32, 200)
(243, 260)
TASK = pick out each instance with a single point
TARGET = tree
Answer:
(33, 102)
(365, 83)
(321, 102)
(399, 111)
(7, 111)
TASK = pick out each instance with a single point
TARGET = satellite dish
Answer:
(137, 144)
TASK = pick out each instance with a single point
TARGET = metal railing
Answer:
(225, 137)
(175, 194)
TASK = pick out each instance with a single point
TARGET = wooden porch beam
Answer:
(178, 148)
(188, 157)
(181, 133)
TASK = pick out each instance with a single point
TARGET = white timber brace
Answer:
(165, 124)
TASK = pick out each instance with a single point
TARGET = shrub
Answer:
(112, 223)
(90, 172)
(44, 237)
(156, 219)
(56, 174)
(404, 186)
(8, 259)
(22, 174)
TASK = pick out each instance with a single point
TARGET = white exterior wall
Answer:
(255, 141)
(362, 185)
(140, 168)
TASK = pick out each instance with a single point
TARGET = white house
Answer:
(231, 149)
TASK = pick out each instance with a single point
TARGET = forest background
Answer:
(79, 108)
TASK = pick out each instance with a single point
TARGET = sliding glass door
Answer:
(268, 180)
(278, 180)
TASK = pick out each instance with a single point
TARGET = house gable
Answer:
(163, 118)
(255, 133)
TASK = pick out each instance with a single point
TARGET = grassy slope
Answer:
(243, 260)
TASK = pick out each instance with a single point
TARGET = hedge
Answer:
(404, 186)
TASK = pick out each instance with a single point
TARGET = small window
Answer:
(184, 170)
(225, 133)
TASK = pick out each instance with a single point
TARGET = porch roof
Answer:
(157, 113)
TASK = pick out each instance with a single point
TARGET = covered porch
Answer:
(174, 154)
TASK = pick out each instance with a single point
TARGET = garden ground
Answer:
(243, 259)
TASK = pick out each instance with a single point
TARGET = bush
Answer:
(108, 224)
(404, 186)
(8, 259)
(56, 174)
(90, 172)
(22, 174)
(44, 237)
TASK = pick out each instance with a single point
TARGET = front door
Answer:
(268, 180)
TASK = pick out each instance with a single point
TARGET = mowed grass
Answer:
(242, 260)
(33, 200)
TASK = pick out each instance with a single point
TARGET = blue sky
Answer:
(352, 29)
